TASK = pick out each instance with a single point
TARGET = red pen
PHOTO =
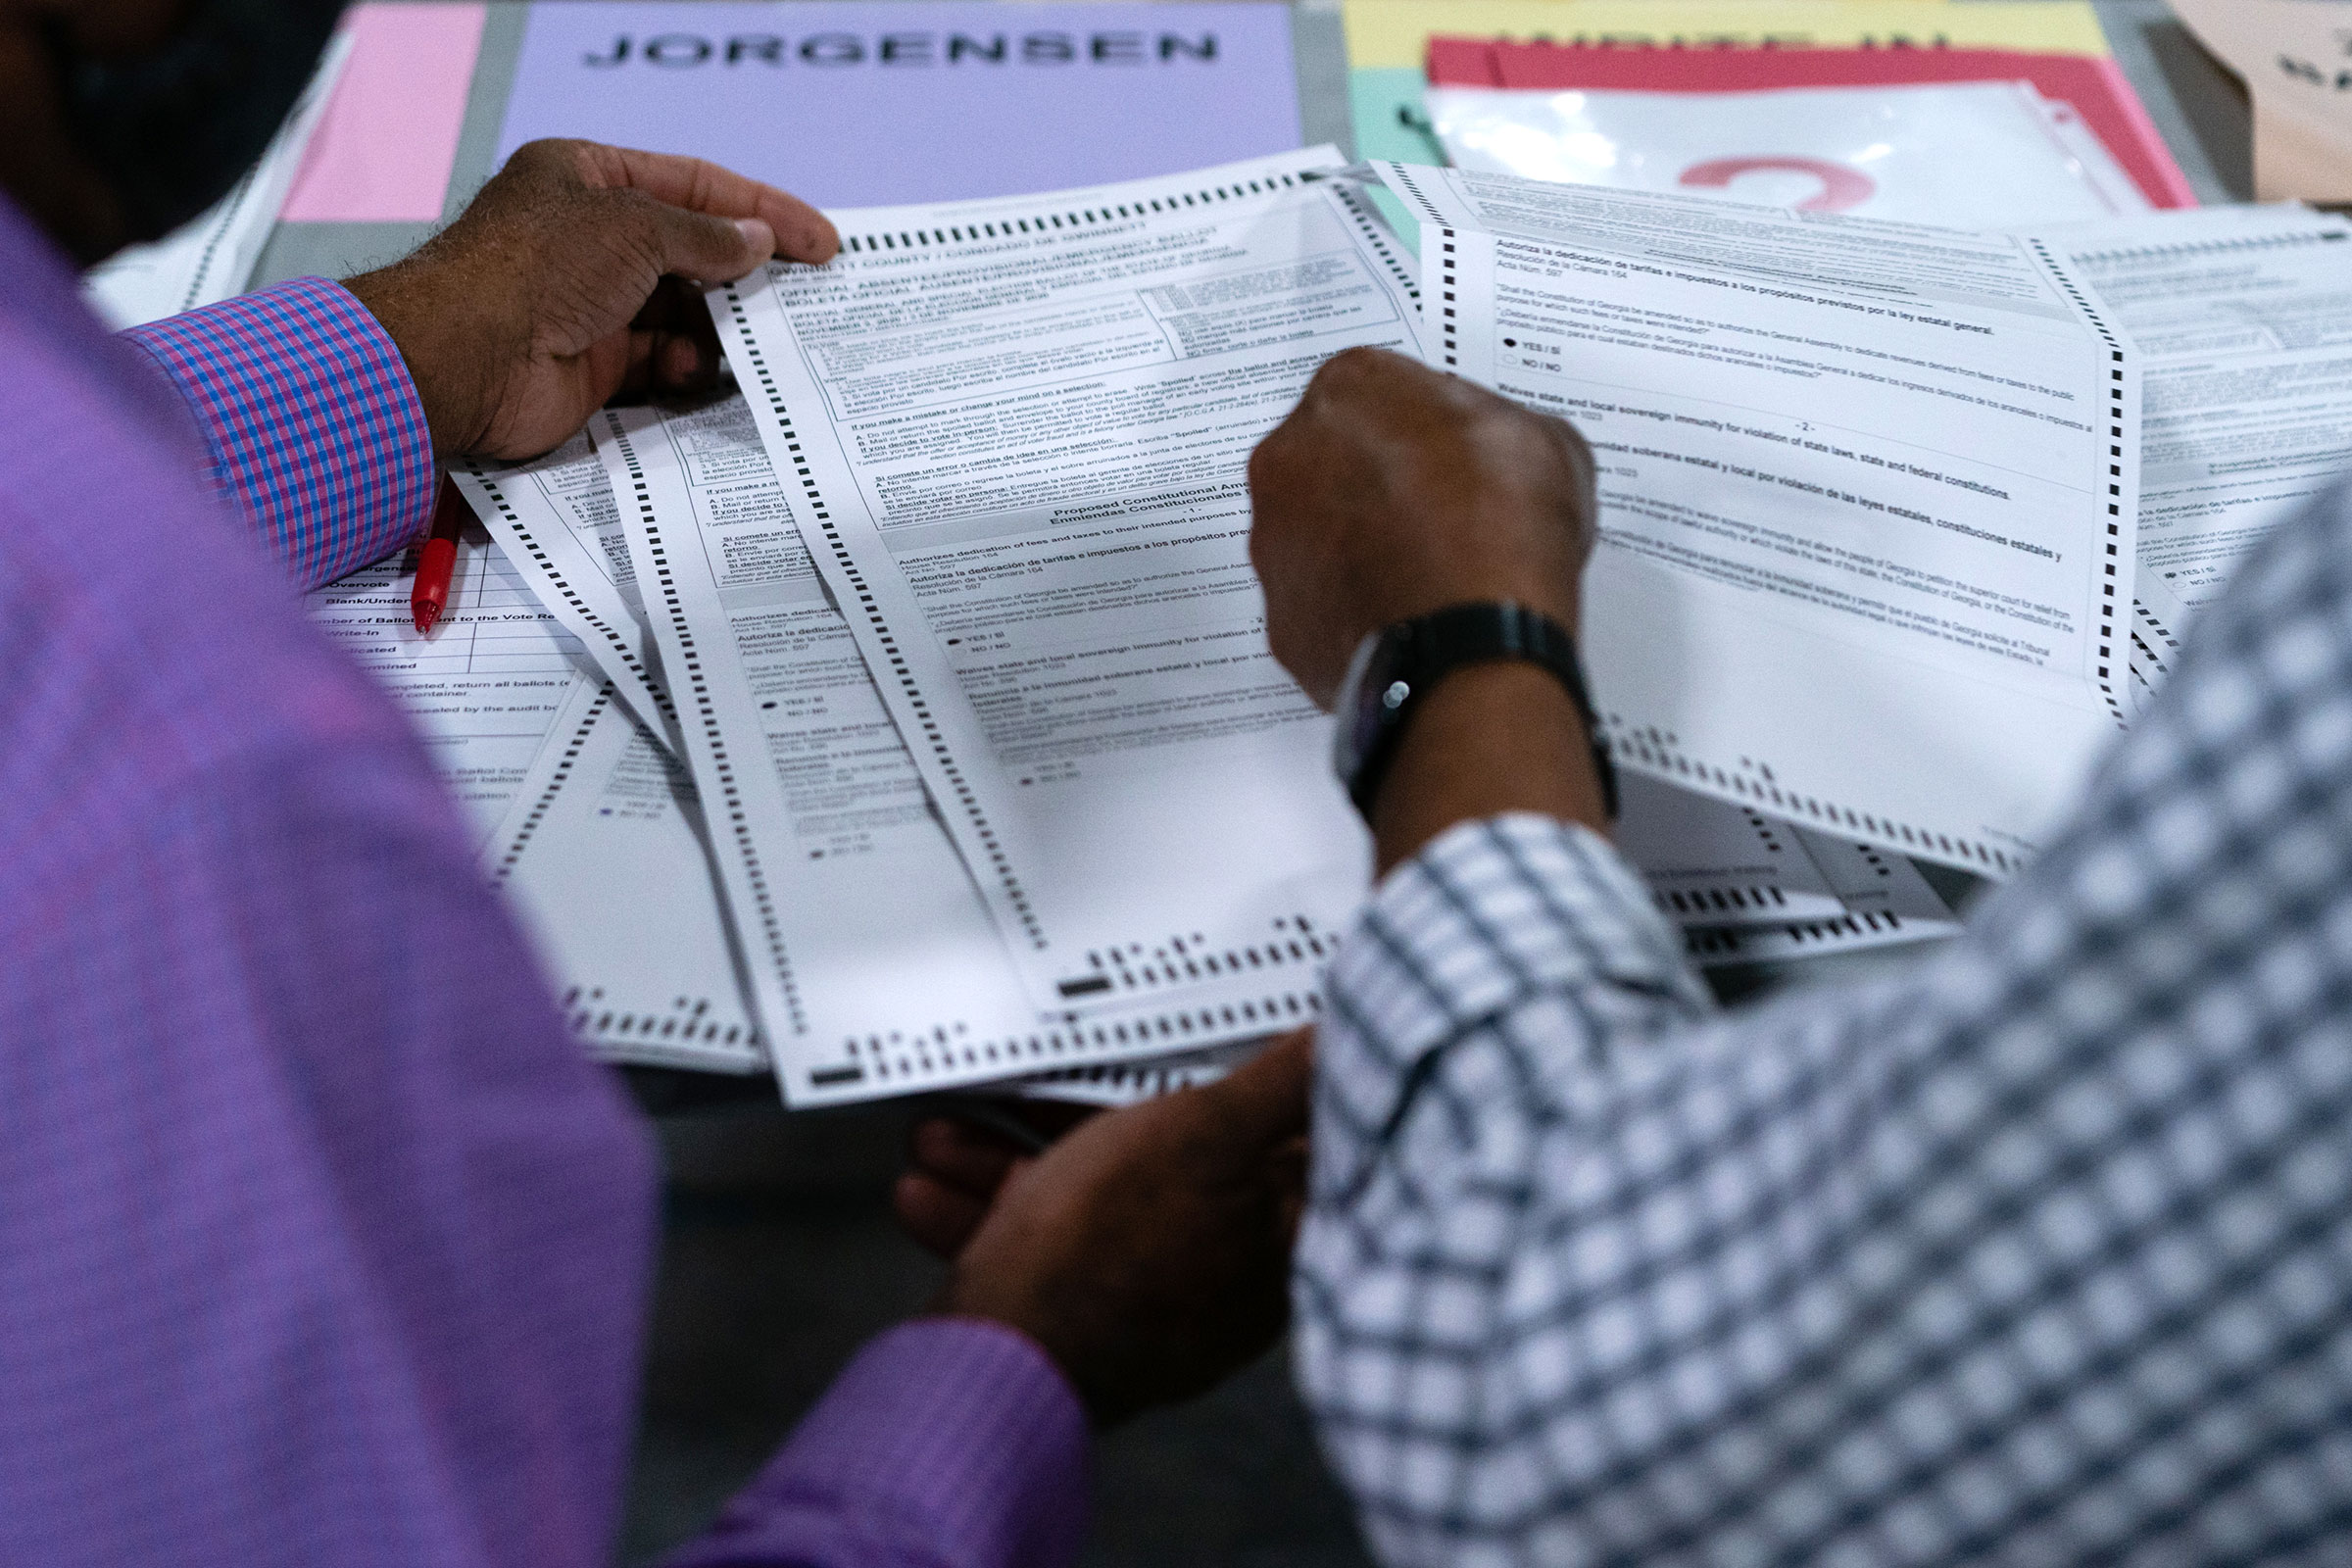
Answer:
(439, 558)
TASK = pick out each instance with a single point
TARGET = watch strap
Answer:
(1428, 648)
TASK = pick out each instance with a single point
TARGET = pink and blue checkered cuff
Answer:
(314, 425)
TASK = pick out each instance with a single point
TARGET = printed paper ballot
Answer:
(875, 966)
(1746, 887)
(600, 855)
(501, 698)
(2239, 313)
(1013, 435)
(1867, 493)
(555, 519)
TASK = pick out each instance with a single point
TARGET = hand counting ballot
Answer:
(877, 957)
(1867, 494)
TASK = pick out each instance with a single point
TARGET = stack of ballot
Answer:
(938, 637)
(1040, 801)
(928, 737)
(902, 720)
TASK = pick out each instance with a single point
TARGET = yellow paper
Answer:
(1396, 32)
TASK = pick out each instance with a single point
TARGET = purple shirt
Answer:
(320, 1242)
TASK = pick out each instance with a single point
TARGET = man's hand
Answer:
(566, 283)
(1392, 491)
(1148, 1250)
(957, 1164)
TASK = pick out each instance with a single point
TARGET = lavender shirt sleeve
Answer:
(312, 422)
(948, 1443)
(323, 1244)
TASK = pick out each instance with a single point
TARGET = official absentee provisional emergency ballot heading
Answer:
(1867, 494)
(1014, 434)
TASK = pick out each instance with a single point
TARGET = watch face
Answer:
(1367, 701)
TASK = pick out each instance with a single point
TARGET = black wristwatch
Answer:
(1395, 669)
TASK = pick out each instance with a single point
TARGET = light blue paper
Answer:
(851, 104)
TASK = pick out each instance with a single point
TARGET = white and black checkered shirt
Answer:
(2040, 1254)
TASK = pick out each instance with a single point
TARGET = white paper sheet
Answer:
(875, 967)
(483, 688)
(2154, 643)
(211, 256)
(603, 852)
(1745, 887)
(555, 519)
(1713, 863)
(1014, 433)
(1129, 1083)
(1883, 902)
(1967, 155)
(2245, 319)
(1867, 495)
(601, 857)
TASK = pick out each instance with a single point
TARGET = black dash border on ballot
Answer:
(685, 1022)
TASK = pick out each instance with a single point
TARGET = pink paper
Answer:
(385, 148)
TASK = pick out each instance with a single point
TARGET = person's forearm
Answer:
(1466, 1067)
(1488, 739)
(947, 1443)
(315, 430)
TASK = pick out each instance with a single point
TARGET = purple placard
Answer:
(858, 103)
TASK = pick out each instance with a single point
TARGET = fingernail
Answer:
(757, 235)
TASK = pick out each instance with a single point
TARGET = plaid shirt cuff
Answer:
(948, 1442)
(314, 425)
(1488, 917)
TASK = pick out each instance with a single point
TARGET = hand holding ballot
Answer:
(558, 289)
